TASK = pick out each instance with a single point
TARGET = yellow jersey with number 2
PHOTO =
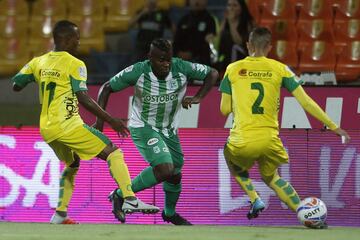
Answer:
(59, 76)
(254, 84)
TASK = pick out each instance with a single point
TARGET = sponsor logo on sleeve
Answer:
(82, 72)
(129, 68)
(82, 85)
(198, 67)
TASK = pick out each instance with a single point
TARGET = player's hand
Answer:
(119, 126)
(345, 138)
(188, 100)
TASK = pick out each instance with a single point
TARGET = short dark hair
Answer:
(63, 29)
(162, 44)
(260, 37)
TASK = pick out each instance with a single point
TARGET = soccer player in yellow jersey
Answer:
(251, 91)
(62, 82)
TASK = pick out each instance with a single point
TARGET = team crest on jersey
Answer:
(152, 141)
(82, 72)
(173, 84)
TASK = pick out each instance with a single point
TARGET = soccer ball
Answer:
(312, 212)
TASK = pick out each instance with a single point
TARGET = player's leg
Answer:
(268, 169)
(283, 189)
(238, 166)
(88, 142)
(240, 174)
(154, 150)
(120, 173)
(172, 186)
(67, 182)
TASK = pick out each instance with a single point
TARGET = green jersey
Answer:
(157, 102)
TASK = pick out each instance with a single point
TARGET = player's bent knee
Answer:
(76, 162)
(164, 171)
(104, 154)
(117, 154)
(267, 179)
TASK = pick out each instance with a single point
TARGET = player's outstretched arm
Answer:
(103, 97)
(209, 81)
(314, 109)
(91, 105)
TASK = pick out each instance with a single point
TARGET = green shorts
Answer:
(85, 141)
(158, 146)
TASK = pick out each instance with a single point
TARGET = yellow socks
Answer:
(248, 187)
(120, 172)
(285, 192)
(66, 188)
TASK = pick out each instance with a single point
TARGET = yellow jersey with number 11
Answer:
(59, 76)
(254, 84)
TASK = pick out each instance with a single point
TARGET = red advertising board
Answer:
(320, 166)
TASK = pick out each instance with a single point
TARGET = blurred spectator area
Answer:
(314, 36)
(308, 35)
(106, 40)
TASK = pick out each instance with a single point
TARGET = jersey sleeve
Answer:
(194, 71)
(25, 75)
(78, 76)
(127, 77)
(313, 108)
(225, 85)
(289, 79)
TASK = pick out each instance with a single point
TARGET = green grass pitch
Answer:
(40, 231)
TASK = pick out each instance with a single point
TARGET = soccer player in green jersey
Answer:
(251, 91)
(62, 83)
(160, 86)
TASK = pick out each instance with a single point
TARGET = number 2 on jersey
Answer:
(49, 87)
(256, 108)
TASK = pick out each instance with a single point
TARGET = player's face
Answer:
(160, 62)
(73, 41)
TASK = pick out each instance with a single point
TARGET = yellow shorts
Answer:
(268, 152)
(85, 141)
